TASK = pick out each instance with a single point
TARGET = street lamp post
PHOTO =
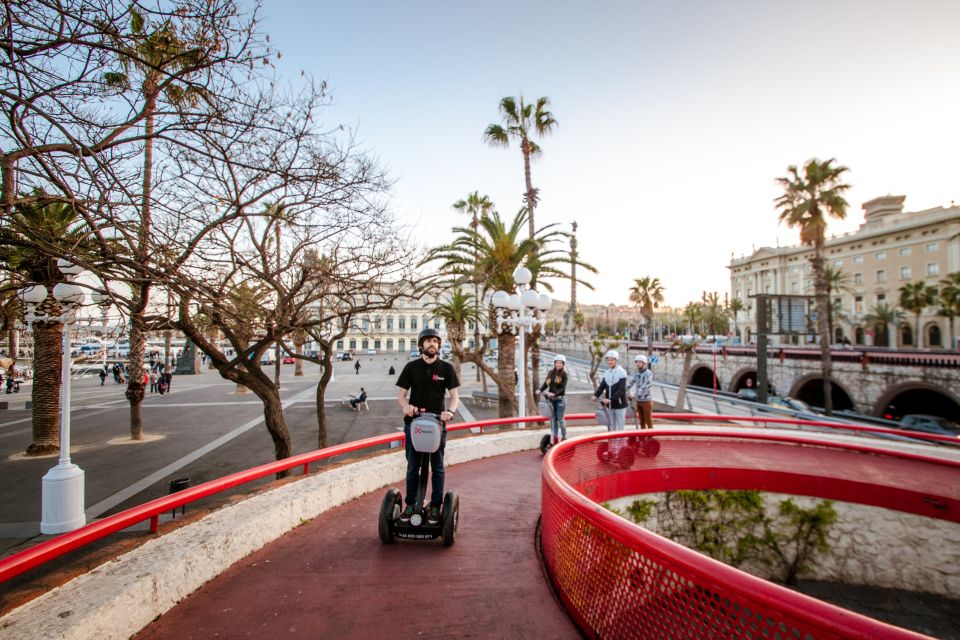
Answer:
(520, 312)
(62, 488)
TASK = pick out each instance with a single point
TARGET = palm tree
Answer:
(808, 200)
(477, 207)
(915, 297)
(693, 315)
(735, 307)
(460, 309)
(647, 293)
(880, 319)
(950, 301)
(521, 121)
(714, 314)
(489, 255)
(158, 56)
(43, 224)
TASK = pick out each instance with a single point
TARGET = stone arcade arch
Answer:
(809, 388)
(702, 376)
(739, 379)
(914, 396)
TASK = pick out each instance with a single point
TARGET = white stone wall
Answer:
(874, 546)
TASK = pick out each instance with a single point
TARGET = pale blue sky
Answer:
(675, 117)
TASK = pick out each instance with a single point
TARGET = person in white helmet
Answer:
(613, 385)
(556, 389)
(642, 380)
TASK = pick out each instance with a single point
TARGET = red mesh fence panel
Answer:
(619, 580)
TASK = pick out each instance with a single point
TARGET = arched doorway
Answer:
(858, 335)
(906, 335)
(702, 376)
(810, 389)
(917, 398)
(934, 338)
(838, 334)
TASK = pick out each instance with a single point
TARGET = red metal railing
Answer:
(620, 580)
(46, 551)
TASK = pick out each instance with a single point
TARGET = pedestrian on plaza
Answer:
(427, 380)
(103, 375)
(356, 367)
(642, 381)
(167, 379)
(116, 373)
(154, 377)
(613, 385)
(555, 387)
(392, 371)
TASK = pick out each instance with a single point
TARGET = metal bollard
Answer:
(179, 485)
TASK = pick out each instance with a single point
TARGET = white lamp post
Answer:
(520, 312)
(62, 488)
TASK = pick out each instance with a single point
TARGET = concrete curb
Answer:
(121, 597)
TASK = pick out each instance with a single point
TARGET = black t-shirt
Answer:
(428, 383)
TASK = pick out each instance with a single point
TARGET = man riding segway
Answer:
(424, 383)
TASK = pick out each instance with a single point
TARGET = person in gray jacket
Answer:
(613, 386)
(642, 381)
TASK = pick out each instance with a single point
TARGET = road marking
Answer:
(125, 494)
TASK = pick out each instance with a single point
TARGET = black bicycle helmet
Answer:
(427, 333)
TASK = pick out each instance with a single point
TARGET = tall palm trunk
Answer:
(506, 361)
(528, 182)
(138, 339)
(917, 341)
(823, 324)
(47, 365)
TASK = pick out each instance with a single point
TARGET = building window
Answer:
(390, 324)
(881, 298)
(905, 273)
(377, 324)
(905, 251)
(376, 345)
(795, 287)
(389, 344)
(364, 344)
(858, 278)
(402, 344)
(880, 255)
(339, 345)
(858, 304)
(933, 269)
(413, 323)
(353, 343)
(366, 324)
(932, 246)
(857, 259)
(436, 323)
(401, 323)
(881, 276)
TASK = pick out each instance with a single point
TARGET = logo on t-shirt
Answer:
(437, 378)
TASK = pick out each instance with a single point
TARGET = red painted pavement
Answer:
(333, 578)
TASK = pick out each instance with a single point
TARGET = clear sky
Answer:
(675, 118)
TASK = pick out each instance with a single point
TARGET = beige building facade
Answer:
(891, 248)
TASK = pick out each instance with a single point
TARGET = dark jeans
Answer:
(413, 470)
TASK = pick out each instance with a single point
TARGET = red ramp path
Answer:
(333, 578)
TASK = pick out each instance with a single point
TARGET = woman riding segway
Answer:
(427, 380)
(554, 390)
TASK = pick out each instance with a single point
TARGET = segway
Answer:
(425, 434)
(548, 440)
(627, 453)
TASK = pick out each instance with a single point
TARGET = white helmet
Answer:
(640, 358)
(559, 358)
(612, 354)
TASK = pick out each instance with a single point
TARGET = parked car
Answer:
(345, 356)
(415, 353)
(288, 359)
(929, 424)
(371, 352)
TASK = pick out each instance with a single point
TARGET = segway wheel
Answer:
(545, 444)
(389, 511)
(650, 447)
(626, 457)
(603, 451)
(451, 516)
